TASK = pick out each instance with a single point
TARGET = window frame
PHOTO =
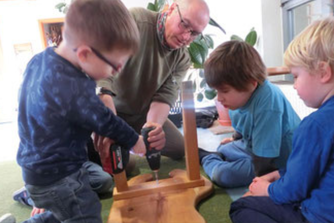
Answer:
(288, 20)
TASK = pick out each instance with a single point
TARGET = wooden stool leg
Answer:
(121, 181)
(190, 132)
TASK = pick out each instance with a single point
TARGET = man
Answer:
(148, 86)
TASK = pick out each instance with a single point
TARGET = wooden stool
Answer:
(173, 200)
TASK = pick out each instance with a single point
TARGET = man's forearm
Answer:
(108, 101)
(158, 113)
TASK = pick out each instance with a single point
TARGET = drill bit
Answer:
(156, 176)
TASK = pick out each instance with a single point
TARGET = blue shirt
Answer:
(309, 175)
(267, 122)
(58, 110)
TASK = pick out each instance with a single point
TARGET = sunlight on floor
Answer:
(9, 141)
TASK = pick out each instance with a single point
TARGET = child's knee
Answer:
(107, 184)
(103, 185)
(223, 179)
(230, 178)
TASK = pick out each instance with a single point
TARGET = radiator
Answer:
(291, 94)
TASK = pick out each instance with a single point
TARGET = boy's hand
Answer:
(271, 177)
(226, 140)
(139, 148)
(259, 187)
(247, 194)
(156, 137)
(36, 210)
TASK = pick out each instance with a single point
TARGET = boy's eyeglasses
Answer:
(99, 55)
(185, 26)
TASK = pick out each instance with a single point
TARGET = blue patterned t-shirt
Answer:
(58, 110)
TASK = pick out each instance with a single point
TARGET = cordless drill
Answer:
(152, 155)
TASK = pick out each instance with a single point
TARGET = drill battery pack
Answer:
(119, 158)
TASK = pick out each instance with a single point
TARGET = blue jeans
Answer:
(100, 181)
(264, 210)
(68, 200)
(234, 170)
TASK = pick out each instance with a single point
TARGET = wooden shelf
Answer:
(273, 71)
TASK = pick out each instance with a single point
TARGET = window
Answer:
(297, 14)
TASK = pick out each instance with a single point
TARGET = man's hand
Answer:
(36, 211)
(259, 187)
(156, 117)
(156, 137)
(139, 148)
(102, 145)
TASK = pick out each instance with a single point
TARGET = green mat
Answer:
(214, 209)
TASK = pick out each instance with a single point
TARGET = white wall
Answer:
(136, 3)
(236, 17)
(239, 16)
(272, 33)
(19, 25)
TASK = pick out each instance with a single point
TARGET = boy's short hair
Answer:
(234, 63)
(313, 45)
(102, 24)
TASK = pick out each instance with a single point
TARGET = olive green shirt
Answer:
(152, 74)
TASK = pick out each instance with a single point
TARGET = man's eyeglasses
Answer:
(185, 26)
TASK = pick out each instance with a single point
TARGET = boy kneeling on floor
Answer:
(59, 109)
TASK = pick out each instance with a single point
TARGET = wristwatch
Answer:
(101, 91)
